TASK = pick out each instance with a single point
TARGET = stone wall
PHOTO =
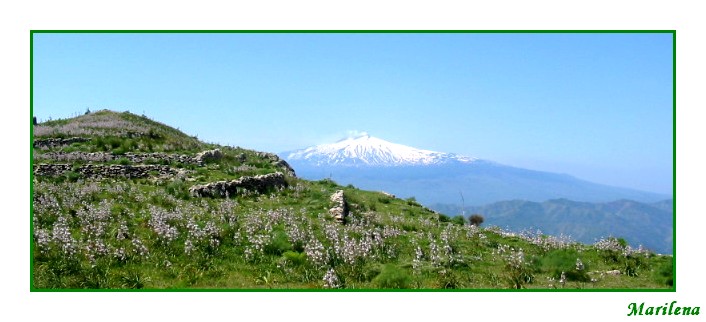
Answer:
(51, 170)
(156, 157)
(56, 142)
(105, 171)
(107, 157)
(260, 183)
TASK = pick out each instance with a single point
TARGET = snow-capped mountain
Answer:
(366, 150)
(437, 177)
(448, 182)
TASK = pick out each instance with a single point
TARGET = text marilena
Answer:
(666, 309)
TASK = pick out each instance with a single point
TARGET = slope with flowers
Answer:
(150, 232)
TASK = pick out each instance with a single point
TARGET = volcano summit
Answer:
(366, 150)
(438, 177)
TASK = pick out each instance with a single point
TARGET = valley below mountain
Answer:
(509, 197)
(436, 177)
(120, 201)
(641, 224)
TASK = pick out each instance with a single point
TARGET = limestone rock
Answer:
(339, 211)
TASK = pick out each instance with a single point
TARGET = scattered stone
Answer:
(389, 195)
(339, 211)
(613, 272)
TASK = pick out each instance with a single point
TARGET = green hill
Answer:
(646, 224)
(123, 202)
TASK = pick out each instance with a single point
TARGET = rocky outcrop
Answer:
(285, 167)
(57, 142)
(339, 211)
(277, 162)
(260, 184)
(105, 171)
(209, 155)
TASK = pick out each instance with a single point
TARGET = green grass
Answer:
(477, 259)
(151, 234)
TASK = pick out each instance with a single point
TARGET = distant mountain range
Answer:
(127, 224)
(639, 223)
(453, 184)
(436, 177)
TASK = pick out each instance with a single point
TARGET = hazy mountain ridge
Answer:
(647, 224)
(509, 197)
(436, 177)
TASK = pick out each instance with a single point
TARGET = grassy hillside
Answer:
(649, 225)
(150, 232)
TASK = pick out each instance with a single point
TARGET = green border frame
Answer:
(674, 150)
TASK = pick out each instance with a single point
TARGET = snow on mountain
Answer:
(443, 178)
(371, 151)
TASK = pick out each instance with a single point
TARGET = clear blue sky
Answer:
(596, 106)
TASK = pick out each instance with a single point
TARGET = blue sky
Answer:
(596, 106)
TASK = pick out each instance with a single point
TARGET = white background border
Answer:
(18, 19)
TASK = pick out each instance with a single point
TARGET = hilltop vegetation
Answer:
(647, 224)
(120, 228)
